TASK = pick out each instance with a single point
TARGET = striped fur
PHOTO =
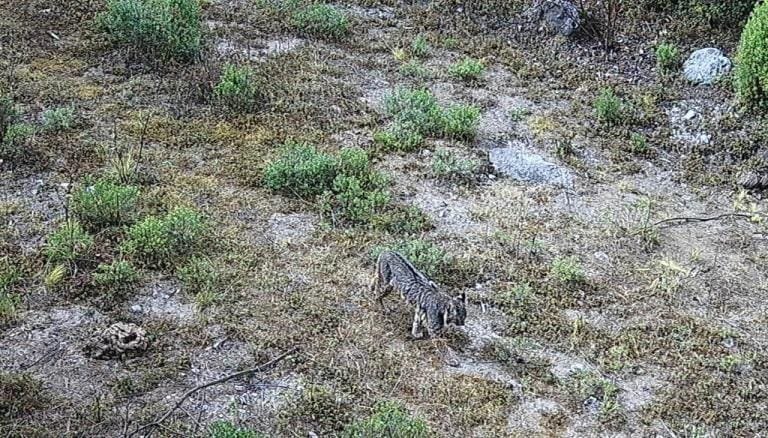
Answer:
(433, 309)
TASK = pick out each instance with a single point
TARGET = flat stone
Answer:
(525, 165)
(705, 66)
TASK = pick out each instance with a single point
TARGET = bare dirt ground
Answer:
(666, 335)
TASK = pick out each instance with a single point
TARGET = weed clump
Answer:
(567, 270)
(238, 89)
(667, 57)
(225, 429)
(13, 132)
(608, 107)
(10, 274)
(117, 276)
(322, 20)
(751, 75)
(20, 394)
(159, 241)
(416, 114)
(447, 165)
(468, 69)
(101, 203)
(169, 29)
(68, 244)
(58, 119)
(301, 170)
(389, 419)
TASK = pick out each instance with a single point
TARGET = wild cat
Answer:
(433, 309)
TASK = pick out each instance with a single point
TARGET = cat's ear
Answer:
(463, 297)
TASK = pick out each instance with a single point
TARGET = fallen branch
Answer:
(189, 393)
(703, 219)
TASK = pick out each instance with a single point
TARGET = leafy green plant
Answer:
(518, 114)
(159, 241)
(460, 121)
(389, 419)
(638, 143)
(667, 57)
(225, 429)
(322, 20)
(199, 275)
(170, 29)
(68, 244)
(751, 75)
(425, 255)
(445, 164)
(585, 385)
(414, 69)
(116, 276)
(567, 270)
(58, 119)
(102, 202)
(468, 69)
(237, 89)
(608, 107)
(301, 170)
(419, 47)
(13, 132)
(399, 137)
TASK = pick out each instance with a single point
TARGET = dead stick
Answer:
(215, 382)
(702, 219)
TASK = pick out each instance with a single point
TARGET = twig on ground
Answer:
(227, 378)
(684, 220)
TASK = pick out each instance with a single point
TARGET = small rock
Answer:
(689, 115)
(705, 66)
(527, 166)
(559, 16)
(136, 308)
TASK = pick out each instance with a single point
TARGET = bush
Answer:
(751, 75)
(355, 199)
(446, 164)
(667, 57)
(389, 419)
(608, 107)
(68, 244)
(159, 241)
(639, 143)
(225, 429)
(237, 89)
(567, 270)
(117, 276)
(468, 69)
(58, 119)
(399, 137)
(419, 47)
(417, 114)
(170, 29)
(102, 203)
(301, 170)
(460, 122)
(322, 20)
(20, 394)
(414, 69)
(199, 275)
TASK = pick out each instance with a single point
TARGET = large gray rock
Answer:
(517, 162)
(559, 16)
(705, 66)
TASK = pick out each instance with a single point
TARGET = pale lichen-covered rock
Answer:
(705, 66)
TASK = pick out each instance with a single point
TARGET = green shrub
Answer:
(417, 114)
(639, 143)
(567, 270)
(170, 29)
(20, 395)
(414, 69)
(9, 303)
(751, 75)
(468, 69)
(460, 121)
(322, 20)
(159, 241)
(419, 47)
(199, 275)
(389, 419)
(445, 164)
(68, 244)
(402, 220)
(667, 57)
(13, 132)
(102, 202)
(225, 429)
(399, 137)
(117, 276)
(355, 200)
(424, 255)
(301, 170)
(608, 107)
(237, 89)
(58, 119)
